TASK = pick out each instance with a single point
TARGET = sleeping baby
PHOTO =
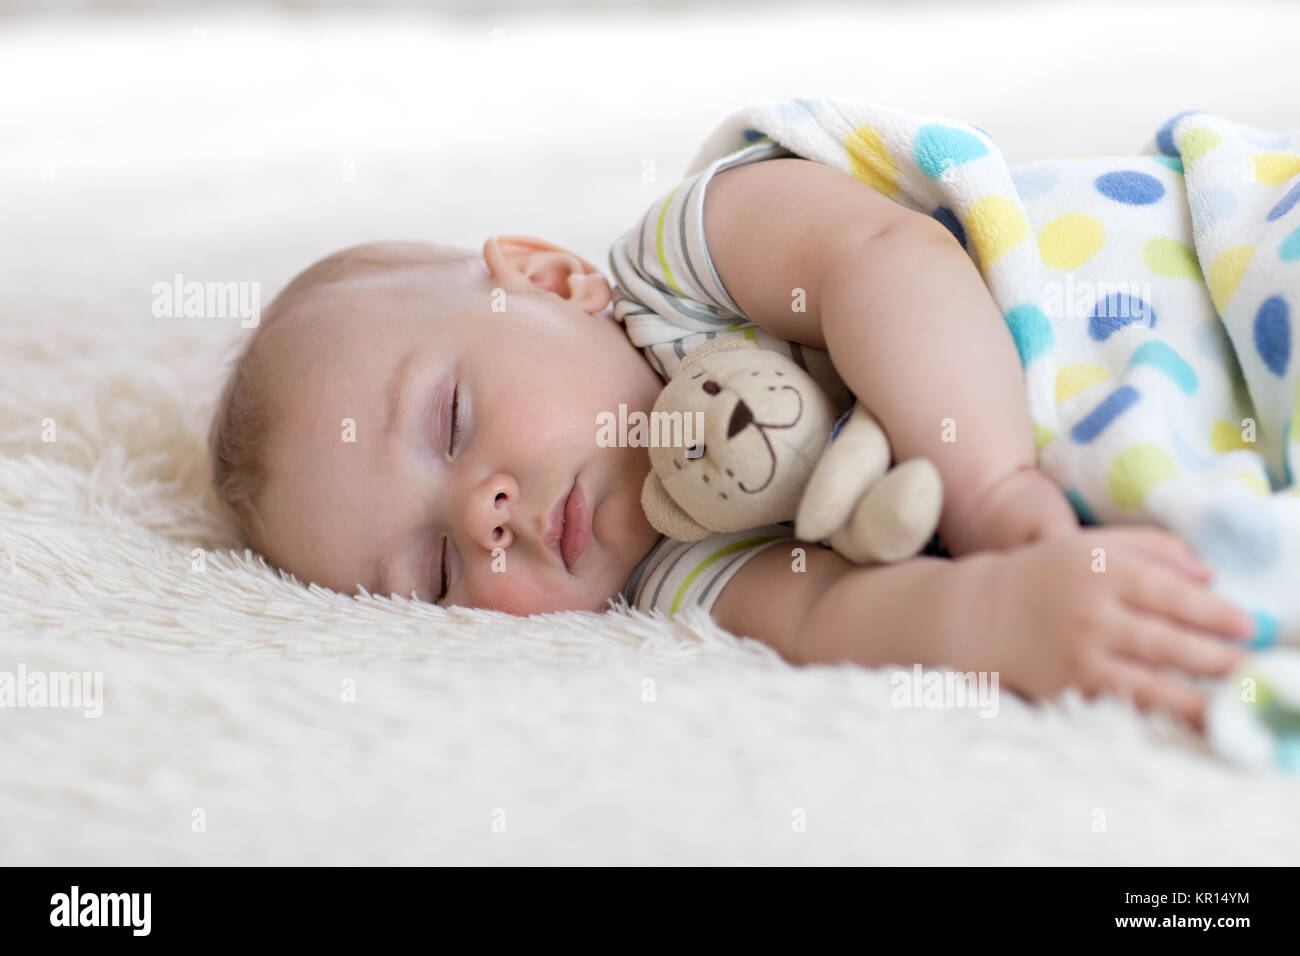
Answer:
(415, 419)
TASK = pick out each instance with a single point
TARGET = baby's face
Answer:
(458, 513)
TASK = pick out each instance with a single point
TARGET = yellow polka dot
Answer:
(1169, 257)
(1225, 436)
(1042, 436)
(1196, 143)
(1225, 273)
(995, 224)
(1135, 471)
(1073, 379)
(1254, 482)
(870, 162)
(1273, 169)
(1069, 241)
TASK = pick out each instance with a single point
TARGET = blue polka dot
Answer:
(949, 219)
(1192, 459)
(1285, 204)
(1032, 181)
(938, 148)
(1096, 421)
(752, 135)
(1266, 628)
(1239, 535)
(798, 110)
(1031, 330)
(1133, 188)
(1264, 140)
(1165, 135)
(1080, 507)
(839, 423)
(1213, 204)
(1289, 251)
(1161, 356)
(1273, 334)
(1116, 311)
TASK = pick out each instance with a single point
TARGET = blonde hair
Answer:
(237, 436)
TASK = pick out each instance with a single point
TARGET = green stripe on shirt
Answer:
(720, 553)
(659, 242)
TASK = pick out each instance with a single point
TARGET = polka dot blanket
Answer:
(1151, 298)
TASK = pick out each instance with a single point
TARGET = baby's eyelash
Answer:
(442, 590)
(455, 419)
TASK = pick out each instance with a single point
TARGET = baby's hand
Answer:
(1106, 610)
(1022, 507)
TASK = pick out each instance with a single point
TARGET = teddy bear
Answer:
(772, 446)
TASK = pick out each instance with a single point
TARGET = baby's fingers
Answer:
(1152, 640)
(1157, 590)
(1150, 690)
(1165, 546)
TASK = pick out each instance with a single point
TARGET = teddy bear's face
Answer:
(765, 425)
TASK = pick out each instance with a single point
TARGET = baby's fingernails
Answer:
(1245, 626)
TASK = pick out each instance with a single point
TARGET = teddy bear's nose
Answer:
(711, 386)
(740, 417)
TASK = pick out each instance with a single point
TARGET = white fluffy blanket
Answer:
(247, 719)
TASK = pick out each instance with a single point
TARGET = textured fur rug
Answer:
(248, 719)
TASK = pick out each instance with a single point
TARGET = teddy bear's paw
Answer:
(896, 518)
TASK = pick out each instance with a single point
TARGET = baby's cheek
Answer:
(522, 593)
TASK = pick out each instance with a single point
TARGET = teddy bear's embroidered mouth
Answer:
(747, 419)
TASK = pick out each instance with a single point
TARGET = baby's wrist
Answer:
(1018, 508)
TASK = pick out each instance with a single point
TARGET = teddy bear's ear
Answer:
(665, 515)
(713, 347)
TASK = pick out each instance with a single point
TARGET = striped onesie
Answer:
(669, 299)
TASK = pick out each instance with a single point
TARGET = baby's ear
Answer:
(665, 515)
(713, 347)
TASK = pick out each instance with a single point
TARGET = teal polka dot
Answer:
(1271, 475)
(1287, 476)
(1289, 251)
(1173, 162)
(1031, 330)
(938, 149)
(1161, 356)
(1080, 506)
(1266, 628)
(1288, 752)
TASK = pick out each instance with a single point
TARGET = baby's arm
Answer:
(909, 325)
(1039, 616)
